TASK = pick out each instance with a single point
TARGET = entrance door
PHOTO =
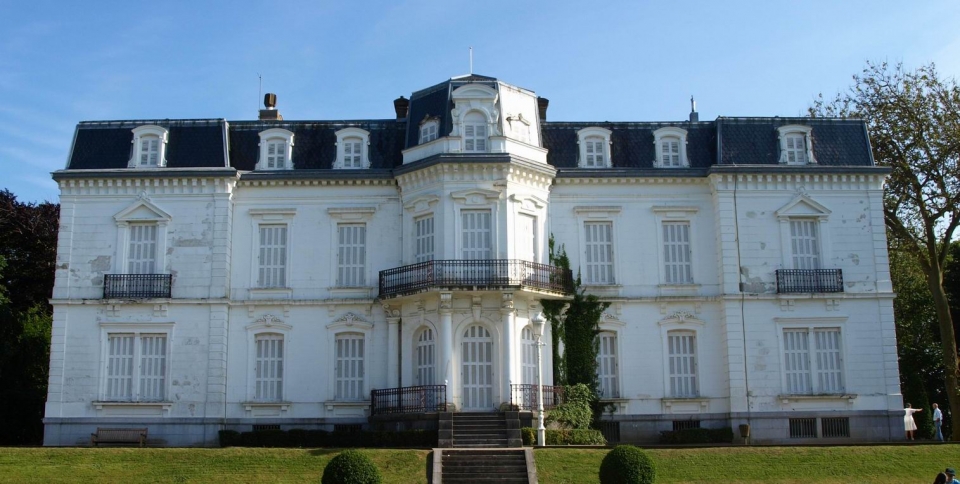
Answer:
(477, 357)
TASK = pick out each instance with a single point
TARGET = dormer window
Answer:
(276, 150)
(149, 147)
(474, 133)
(671, 146)
(594, 147)
(428, 130)
(352, 149)
(796, 146)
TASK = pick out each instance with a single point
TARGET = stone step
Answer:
(496, 479)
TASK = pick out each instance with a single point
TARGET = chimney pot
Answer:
(542, 104)
(270, 112)
(402, 106)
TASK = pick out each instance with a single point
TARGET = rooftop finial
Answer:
(694, 116)
(471, 60)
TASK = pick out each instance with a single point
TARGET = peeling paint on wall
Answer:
(100, 264)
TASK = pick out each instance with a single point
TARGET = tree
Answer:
(28, 244)
(914, 123)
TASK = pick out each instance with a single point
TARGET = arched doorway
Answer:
(477, 368)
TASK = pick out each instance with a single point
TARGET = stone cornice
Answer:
(493, 168)
(186, 184)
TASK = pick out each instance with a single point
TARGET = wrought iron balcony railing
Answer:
(421, 399)
(119, 286)
(494, 273)
(791, 281)
(524, 396)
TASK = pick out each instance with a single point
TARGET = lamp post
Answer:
(538, 332)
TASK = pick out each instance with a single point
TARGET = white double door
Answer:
(477, 369)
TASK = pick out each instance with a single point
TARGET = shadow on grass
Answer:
(324, 451)
(429, 468)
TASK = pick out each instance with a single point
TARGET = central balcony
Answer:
(136, 286)
(495, 274)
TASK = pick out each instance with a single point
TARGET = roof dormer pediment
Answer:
(802, 206)
(143, 210)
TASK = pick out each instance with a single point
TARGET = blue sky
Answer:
(65, 62)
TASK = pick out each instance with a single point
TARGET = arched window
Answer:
(352, 149)
(352, 152)
(276, 150)
(149, 147)
(594, 147)
(671, 146)
(474, 133)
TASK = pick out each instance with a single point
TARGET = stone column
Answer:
(393, 346)
(509, 372)
(446, 345)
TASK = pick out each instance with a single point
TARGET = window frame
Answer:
(694, 355)
(792, 131)
(273, 325)
(274, 135)
(615, 374)
(138, 331)
(528, 356)
(591, 135)
(610, 265)
(419, 368)
(666, 264)
(363, 266)
(671, 133)
(260, 266)
(349, 323)
(811, 327)
(591, 213)
(483, 123)
(339, 359)
(424, 130)
(271, 216)
(149, 132)
(141, 212)
(280, 392)
(343, 136)
(421, 239)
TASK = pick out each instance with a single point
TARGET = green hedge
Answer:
(564, 437)
(322, 438)
(697, 436)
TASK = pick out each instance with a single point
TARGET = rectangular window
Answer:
(816, 371)
(803, 428)
(607, 365)
(424, 238)
(670, 153)
(428, 132)
(273, 256)
(149, 151)
(276, 154)
(269, 371)
(136, 367)
(595, 153)
(474, 137)
(425, 358)
(477, 234)
(529, 345)
(599, 252)
(833, 427)
(796, 150)
(352, 153)
(678, 267)
(351, 255)
(142, 258)
(349, 367)
(805, 242)
(683, 363)
(679, 425)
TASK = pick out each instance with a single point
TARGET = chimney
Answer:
(402, 106)
(694, 115)
(542, 104)
(270, 112)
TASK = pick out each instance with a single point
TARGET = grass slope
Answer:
(229, 466)
(828, 465)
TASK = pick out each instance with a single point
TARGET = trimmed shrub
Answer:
(351, 467)
(322, 438)
(627, 464)
(564, 436)
(229, 438)
(576, 412)
(697, 436)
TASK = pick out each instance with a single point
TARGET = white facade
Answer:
(274, 314)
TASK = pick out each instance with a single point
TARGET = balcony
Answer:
(793, 281)
(475, 275)
(404, 400)
(127, 286)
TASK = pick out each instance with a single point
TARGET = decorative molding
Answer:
(268, 321)
(421, 203)
(476, 196)
(681, 317)
(446, 302)
(154, 213)
(351, 213)
(351, 320)
(802, 206)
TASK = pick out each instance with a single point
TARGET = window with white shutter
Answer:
(149, 147)
(796, 149)
(671, 146)
(607, 365)
(426, 355)
(276, 154)
(678, 267)
(423, 237)
(474, 133)
(349, 367)
(796, 144)
(596, 152)
(529, 345)
(682, 347)
(805, 242)
(136, 367)
(352, 152)
(276, 149)
(269, 368)
(273, 256)
(477, 234)
(142, 255)
(813, 360)
(598, 237)
(351, 255)
(670, 152)
(594, 148)
(428, 132)
(150, 151)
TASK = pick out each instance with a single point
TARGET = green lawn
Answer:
(834, 465)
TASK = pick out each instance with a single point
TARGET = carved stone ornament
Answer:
(269, 320)
(350, 319)
(391, 312)
(507, 301)
(143, 196)
(446, 301)
(682, 316)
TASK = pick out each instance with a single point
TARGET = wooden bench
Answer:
(119, 436)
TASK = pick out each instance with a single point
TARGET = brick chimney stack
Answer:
(402, 106)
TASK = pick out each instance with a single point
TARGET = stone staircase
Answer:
(480, 448)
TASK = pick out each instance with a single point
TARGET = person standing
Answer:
(951, 476)
(908, 423)
(938, 421)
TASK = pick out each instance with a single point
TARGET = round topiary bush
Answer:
(627, 464)
(351, 467)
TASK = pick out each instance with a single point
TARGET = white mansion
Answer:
(217, 274)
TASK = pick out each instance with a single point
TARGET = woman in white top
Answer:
(908, 422)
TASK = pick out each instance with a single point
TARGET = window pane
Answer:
(142, 258)
(351, 255)
(678, 266)
(119, 385)
(599, 252)
(349, 367)
(273, 256)
(682, 364)
(607, 365)
(797, 361)
(269, 367)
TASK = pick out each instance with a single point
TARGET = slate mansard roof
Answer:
(217, 143)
